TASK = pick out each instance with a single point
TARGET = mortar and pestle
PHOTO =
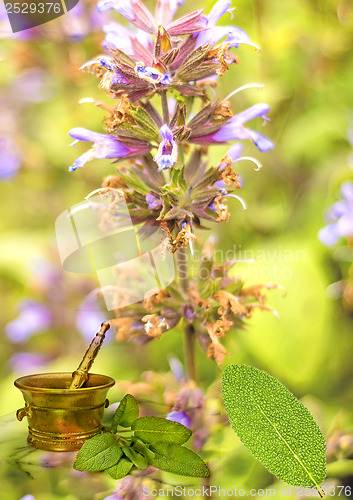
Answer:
(65, 409)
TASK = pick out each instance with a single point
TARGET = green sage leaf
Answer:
(177, 459)
(126, 413)
(136, 458)
(98, 453)
(155, 429)
(276, 428)
(121, 469)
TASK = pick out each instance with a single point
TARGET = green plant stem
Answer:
(189, 332)
(165, 108)
(189, 336)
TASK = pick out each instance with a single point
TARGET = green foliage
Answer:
(126, 413)
(121, 469)
(276, 428)
(179, 460)
(155, 429)
(153, 441)
(98, 453)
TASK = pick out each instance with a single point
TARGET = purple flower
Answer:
(167, 154)
(341, 218)
(106, 146)
(213, 34)
(189, 24)
(10, 158)
(133, 10)
(34, 317)
(25, 362)
(89, 316)
(28, 497)
(166, 9)
(124, 7)
(234, 129)
(136, 12)
(153, 201)
(132, 44)
(180, 417)
(152, 75)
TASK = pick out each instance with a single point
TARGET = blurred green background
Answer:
(306, 66)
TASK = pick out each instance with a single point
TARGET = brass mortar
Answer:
(59, 418)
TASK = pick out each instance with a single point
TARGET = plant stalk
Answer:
(165, 108)
(189, 332)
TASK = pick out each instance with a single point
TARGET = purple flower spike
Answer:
(167, 154)
(34, 317)
(341, 214)
(180, 417)
(105, 146)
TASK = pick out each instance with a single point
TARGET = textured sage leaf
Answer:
(98, 453)
(121, 469)
(276, 428)
(178, 459)
(155, 429)
(136, 458)
(126, 413)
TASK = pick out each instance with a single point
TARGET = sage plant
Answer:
(161, 76)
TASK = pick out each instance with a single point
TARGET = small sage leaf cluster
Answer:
(135, 443)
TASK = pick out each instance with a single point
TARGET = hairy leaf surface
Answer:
(155, 429)
(276, 428)
(98, 453)
(121, 469)
(178, 460)
(126, 413)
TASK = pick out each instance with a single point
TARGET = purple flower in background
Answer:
(89, 316)
(234, 130)
(28, 497)
(106, 146)
(27, 362)
(180, 417)
(34, 317)
(10, 158)
(167, 154)
(340, 218)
